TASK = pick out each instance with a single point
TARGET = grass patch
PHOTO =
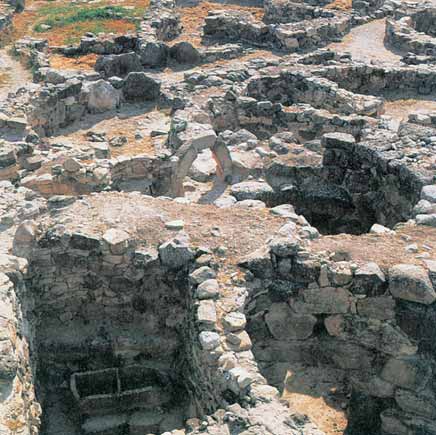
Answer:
(66, 15)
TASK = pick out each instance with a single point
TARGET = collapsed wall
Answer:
(357, 185)
(412, 31)
(142, 342)
(291, 87)
(302, 35)
(20, 409)
(380, 80)
(372, 326)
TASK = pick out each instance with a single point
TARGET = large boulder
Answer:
(176, 253)
(139, 86)
(154, 54)
(429, 193)
(118, 64)
(285, 324)
(184, 52)
(411, 283)
(102, 96)
(252, 190)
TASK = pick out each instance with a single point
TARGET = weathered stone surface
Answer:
(102, 96)
(411, 283)
(118, 64)
(410, 372)
(154, 54)
(139, 86)
(381, 307)
(209, 340)
(252, 190)
(206, 314)
(118, 240)
(202, 274)
(239, 341)
(234, 321)
(208, 289)
(285, 324)
(184, 52)
(429, 193)
(371, 333)
(176, 253)
(422, 403)
(284, 246)
(338, 140)
(326, 300)
(368, 279)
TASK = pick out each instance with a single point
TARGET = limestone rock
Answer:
(184, 52)
(252, 190)
(139, 86)
(102, 96)
(326, 300)
(381, 307)
(117, 240)
(209, 340)
(208, 289)
(176, 253)
(234, 321)
(411, 283)
(429, 193)
(206, 314)
(410, 372)
(202, 274)
(285, 324)
(338, 140)
(368, 279)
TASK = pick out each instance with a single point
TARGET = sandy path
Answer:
(12, 74)
(366, 43)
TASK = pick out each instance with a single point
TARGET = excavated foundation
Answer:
(120, 360)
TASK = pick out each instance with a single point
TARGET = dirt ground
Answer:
(366, 43)
(319, 393)
(12, 74)
(400, 109)
(23, 23)
(385, 250)
(241, 231)
(84, 63)
(192, 19)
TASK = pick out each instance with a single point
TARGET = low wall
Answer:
(265, 118)
(303, 35)
(381, 81)
(291, 87)
(280, 11)
(401, 35)
(362, 321)
(109, 287)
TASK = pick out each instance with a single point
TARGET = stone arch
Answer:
(187, 154)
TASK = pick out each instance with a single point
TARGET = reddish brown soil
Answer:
(192, 18)
(85, 62)
(341, 5)
(385, 250)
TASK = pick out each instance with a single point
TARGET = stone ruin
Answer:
(225, 225)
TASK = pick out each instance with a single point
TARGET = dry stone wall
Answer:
(359, 319)
(109, 283)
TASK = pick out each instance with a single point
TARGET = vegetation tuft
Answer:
(64, 16)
